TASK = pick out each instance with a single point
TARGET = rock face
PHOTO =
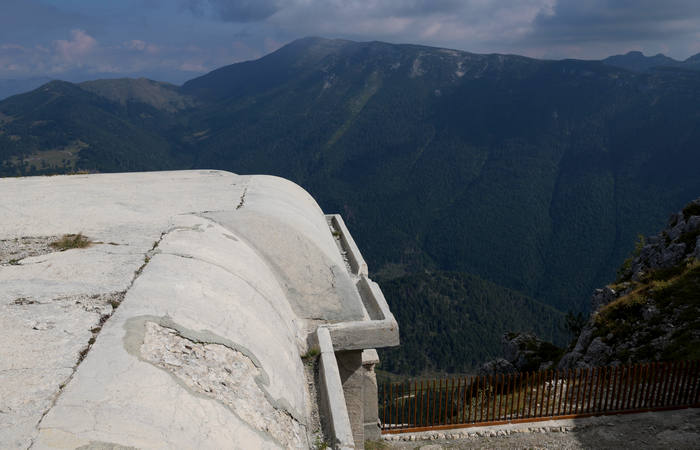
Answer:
(522, 352)
(652, 313)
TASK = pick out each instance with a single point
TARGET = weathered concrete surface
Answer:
(663, 430)
(222, 277)
(369, 391)
(352, 376)
(332, 397)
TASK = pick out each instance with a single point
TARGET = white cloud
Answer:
(80, 45)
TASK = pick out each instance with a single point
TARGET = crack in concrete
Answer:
(245, 191)
(95, 332)
(136, 337)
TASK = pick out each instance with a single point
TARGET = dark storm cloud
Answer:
(617, 20)
(235, 10)
(29, 21)
(257, 10)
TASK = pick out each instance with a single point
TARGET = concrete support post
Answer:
(352, 376)
(371, 408)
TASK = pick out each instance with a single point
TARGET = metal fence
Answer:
(534, 396)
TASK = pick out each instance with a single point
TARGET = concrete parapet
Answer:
(357, 262)
(333, 406)
(381, 331)
(352, 375)
(372, 430)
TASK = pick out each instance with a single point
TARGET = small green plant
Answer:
(69, 241)
(320, 445)
(311, 353)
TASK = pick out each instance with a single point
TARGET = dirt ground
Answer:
(663, 430)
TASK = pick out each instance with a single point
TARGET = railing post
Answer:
(679, 383)
(383, 406)
(651, 377)
(578, 390)
(397, 406)
(390, 405)
(597, 391)
(427, 403)
(695, 393)
(634, 386)
(667, 384)
(610, 386)
(586, 389)
(452, 399)
(640, 385)
(500, 382)
(459, 419)
(690, 398)
(618, 387)
(509, 395)
(515, 406)
(488, 396)
(538, 408)
(434, 395)
(560, 382)
(480, 393)
(464, 405)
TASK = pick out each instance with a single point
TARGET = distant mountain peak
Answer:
(693, 59)
(160, 95)
(636, 61)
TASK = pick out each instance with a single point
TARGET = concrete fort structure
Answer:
(198, 309)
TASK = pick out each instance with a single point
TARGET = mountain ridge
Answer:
(501, 167)
(636, 61)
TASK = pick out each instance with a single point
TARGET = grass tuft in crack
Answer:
(70, 241)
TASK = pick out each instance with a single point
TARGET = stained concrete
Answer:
(133, 341)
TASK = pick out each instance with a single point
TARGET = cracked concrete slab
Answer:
(236, 267)
(224, 374)
(44, 341)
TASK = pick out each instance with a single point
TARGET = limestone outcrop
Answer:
(652, 312)
(522, 352)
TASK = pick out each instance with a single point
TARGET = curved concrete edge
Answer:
(381, 331)
(332, 401)
(357, 262)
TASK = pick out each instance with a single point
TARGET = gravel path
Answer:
(664, 430)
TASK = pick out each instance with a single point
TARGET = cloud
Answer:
(235, 10)
(173, 40)
(599, 20)
(76, 48)
(142, 46)
(597, 28)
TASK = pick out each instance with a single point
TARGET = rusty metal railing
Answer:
(534, 396)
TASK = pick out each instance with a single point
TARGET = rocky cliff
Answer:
(652, 312)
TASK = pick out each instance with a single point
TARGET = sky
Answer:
(176, 40)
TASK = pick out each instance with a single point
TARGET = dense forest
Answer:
(452, 322)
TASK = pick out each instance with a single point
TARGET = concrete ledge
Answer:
(381, 331)
(370, 356)
(357, 262)
(332, 400)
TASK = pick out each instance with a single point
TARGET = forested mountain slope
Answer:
(534, 175)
